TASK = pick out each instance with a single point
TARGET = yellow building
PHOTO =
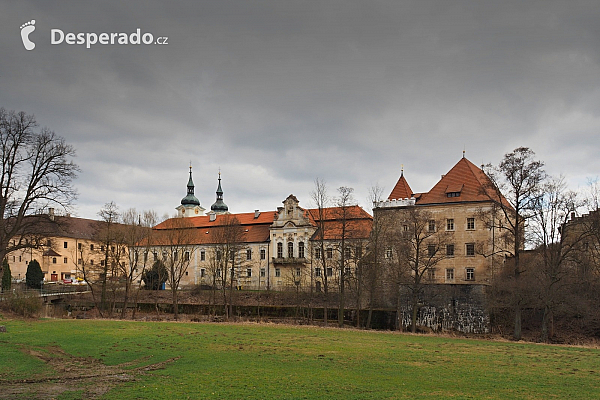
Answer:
(462, 221)
(71, 244)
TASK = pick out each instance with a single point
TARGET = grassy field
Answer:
(80, 359)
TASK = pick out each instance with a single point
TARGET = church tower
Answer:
(190, 205)
(219, 207)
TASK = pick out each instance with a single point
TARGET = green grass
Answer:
(281, 362)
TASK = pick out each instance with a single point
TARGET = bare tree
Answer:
(177, 247)
(225, 258)
(132, 234)
(108, 236)
(342, 236)
(372, 265)
(555, 246)
(517, 181)
(146, 220)
(36, 172)
(321, 200)
(414, 249)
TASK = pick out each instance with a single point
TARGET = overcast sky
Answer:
(278, 93)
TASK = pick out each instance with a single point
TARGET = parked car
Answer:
(68, 280)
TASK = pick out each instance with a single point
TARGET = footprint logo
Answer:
(26, 29)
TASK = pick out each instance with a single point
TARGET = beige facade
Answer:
(461, 228)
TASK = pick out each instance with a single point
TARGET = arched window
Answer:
(279, 250)
(290, 249)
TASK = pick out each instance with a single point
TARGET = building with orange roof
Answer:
(266, 249)
(461, 207)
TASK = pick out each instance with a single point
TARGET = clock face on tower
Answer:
(196, 210)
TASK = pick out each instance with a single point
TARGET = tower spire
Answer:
(219, 206)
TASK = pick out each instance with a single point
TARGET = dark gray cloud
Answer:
(276, 94)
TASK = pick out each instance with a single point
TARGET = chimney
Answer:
(256, 214)
(51, 213)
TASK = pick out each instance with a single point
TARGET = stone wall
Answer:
(446, 307)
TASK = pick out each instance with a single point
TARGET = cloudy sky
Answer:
(278, 93)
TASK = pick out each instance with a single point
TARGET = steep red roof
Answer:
(464, 182)
(210, 235)
(402, 190)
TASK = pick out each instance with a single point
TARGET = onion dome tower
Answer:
(219, 207)
(190, 205)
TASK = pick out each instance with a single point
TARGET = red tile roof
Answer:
(257, 230)
(402, 190)
(464, 178)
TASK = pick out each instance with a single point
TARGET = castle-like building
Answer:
(460, 226)
(290, 247)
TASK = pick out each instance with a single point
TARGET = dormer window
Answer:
(454, 190)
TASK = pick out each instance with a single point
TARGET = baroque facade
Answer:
(262, 249)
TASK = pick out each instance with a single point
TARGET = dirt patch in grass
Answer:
(73, 374)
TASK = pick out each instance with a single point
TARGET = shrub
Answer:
(23, 304)
(6, 276)
(34, 275)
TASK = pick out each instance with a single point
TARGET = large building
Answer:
(70, 246)
(260, 249)
(460, 227)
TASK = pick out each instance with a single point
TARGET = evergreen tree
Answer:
(34, 275)
(155, 276)
(6, 276)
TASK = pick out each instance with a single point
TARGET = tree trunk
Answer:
(415, 309)
(517, 332)
(175, 304)
(125, 300)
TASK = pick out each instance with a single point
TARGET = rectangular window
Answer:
(347, 271)
(297, 271)
(155, 254)
(279, 250)
(91, 247)
(347, 253)
(431, 225)
(175, 255)
(450, 250)
(249, 272)
(449, 274)
(358, 251)
(232, 255)
(470, 249)
(218, 272)
(248, 254)
(91, 262)
(65, 245)
(430, 250)
(470, 274)
(317, 253)
(202, 255)
(290, 250)
(388, 253)
(218, 255)
(263, 272)
(263, 254)
(329, 253)
(102, 263)
(317, 271)
(202, 272)
(431, 274)
(471, 223)
(301, 250)
(277, 272)
(65, 260)
(186, 256)
(53, 260)
(450, 224)
(79, 246)
(80, 261)
(329, 271)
